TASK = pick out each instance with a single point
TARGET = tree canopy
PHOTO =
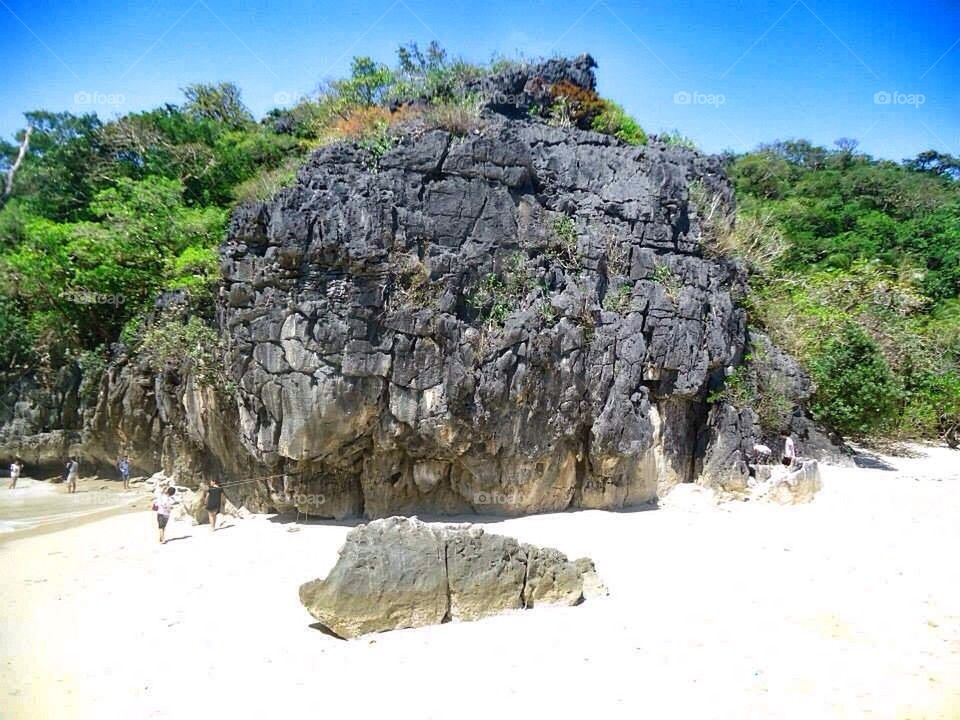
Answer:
(865, 288)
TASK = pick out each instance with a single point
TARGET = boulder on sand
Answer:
(390, 574)
(795, 486)
(400, 572)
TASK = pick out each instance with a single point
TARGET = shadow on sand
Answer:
(870, 461)
(326, 631)
(293, 518)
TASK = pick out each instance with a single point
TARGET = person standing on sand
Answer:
(16, 467)
(124, 467)
(73, 474)
(158, 490)
(164, 505)
(789, 450)
(214, 501)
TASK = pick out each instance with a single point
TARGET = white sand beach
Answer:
(848, 607)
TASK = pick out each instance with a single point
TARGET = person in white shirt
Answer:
(164, 505)
(16, 467)
(789, 450)
(73, 474)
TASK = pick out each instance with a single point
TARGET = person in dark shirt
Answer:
(214, 501)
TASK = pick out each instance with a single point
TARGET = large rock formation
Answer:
(402, 573)
(519, 319)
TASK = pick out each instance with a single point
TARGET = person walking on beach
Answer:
(214, 501)
(158, 490)
(73, 473)
(124, 467)
(789, 450)
(16, 467)
(164, 505)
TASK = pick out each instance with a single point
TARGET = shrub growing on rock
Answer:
(677, 139)
(761, 383)
(618, 300)
(268, 182)
(171, 341)
(460, 116)
(563, 241)
(574, 106)
(614, 120)
(749, 234)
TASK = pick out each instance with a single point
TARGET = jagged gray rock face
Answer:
(365, 356)
(513, 92)
(27, 408)
(401, 573)
(167, 421)
(43, 453)
(41, 426)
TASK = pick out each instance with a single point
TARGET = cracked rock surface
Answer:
(517, 320)
(400, 573)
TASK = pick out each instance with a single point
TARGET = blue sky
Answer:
(728, 74)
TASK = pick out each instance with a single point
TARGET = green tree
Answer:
(61, 172)
(218, 102)
(856, 391)
(938, 163)
(367, 85)
(763, 174)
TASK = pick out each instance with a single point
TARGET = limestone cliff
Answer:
(515, 320)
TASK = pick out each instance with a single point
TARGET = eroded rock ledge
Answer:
(402, 573)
